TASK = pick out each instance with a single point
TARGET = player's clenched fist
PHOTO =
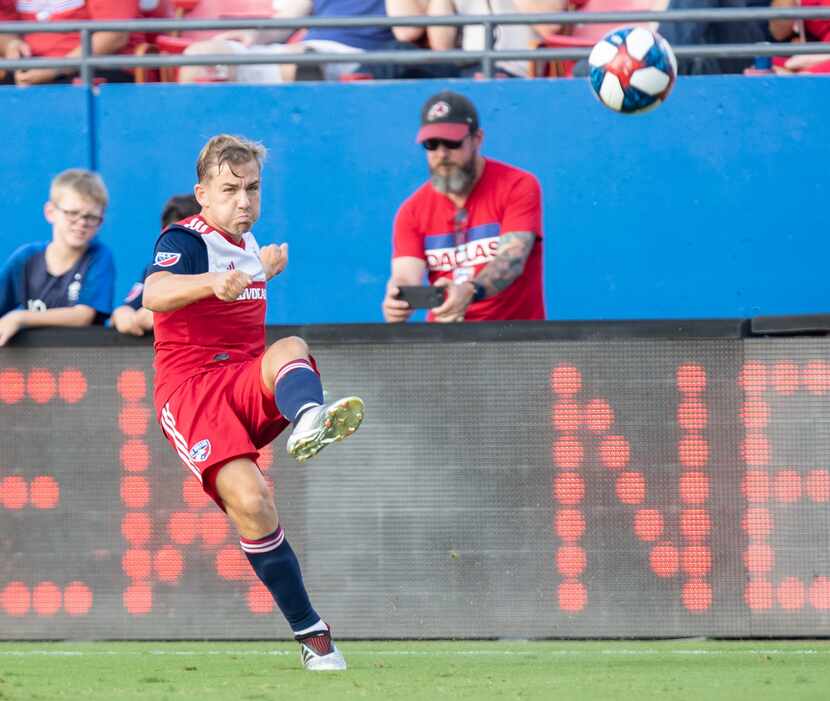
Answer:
(274, 259)
(228, 286)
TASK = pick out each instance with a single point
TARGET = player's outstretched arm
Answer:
(166, 292)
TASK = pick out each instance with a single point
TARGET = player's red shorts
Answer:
(220, 415)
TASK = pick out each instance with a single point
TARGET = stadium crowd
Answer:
(357, 40)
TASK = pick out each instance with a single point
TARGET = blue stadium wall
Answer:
(711, 206)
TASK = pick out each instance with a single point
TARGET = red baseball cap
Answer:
(447, 115)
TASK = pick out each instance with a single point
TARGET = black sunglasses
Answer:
(433, 144)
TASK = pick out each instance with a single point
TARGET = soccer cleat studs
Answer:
(323, 425)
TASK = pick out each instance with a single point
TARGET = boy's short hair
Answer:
(84, 182)
(177, 208)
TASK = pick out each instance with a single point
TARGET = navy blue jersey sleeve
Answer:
(98, 289)
(134, 296)
(180, 252)
(12, 278)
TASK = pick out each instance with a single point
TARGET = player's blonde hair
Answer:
(228, 149)
(87, 184)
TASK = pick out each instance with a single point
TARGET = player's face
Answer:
(452, 166)
(230, 198)
(74, 218)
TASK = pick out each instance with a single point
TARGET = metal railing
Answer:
(87, 61)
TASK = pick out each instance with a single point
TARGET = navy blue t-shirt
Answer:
(25, 282)
(366, 38)
(134, 296)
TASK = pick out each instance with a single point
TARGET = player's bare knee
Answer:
(255, 505)
(290, 347)
(281, 352)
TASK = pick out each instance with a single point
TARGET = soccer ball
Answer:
(632, 69)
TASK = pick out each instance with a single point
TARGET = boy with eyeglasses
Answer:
(70, 280)
(475, 228)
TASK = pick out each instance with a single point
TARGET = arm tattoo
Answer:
(509, 263)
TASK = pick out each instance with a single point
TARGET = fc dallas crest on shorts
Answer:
(201, 451)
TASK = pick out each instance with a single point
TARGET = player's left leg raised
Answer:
(298, 393)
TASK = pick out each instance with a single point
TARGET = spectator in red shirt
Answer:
(475, 228)
(807, 30)
(42, 44)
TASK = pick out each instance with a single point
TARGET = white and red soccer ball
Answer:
(632, 69)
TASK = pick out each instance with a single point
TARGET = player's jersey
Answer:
(457, 244)
(26, 283)
(210, 332)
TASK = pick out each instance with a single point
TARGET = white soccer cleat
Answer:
(320, 654)
(324, 424)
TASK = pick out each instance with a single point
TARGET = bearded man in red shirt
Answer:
(475, 228)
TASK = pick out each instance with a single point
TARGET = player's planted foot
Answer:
(324, 424)
(319, 653)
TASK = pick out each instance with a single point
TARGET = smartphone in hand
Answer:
(422, 297)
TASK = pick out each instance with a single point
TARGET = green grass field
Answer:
(587, 671)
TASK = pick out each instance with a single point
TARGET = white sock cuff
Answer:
(290, 367)
(320, 625)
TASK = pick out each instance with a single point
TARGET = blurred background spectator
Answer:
(70, 280)
(42, 44)
(351, 40)
(586, 34)
(408, 8)
(801, 31)
(691, 33)
(507, 37)
(218, 9)
(408, 38)
(132, 317)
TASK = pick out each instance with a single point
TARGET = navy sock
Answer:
(276, 565)
(297, 388)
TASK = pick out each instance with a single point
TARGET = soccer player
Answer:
(68, 281)
(219, 394)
